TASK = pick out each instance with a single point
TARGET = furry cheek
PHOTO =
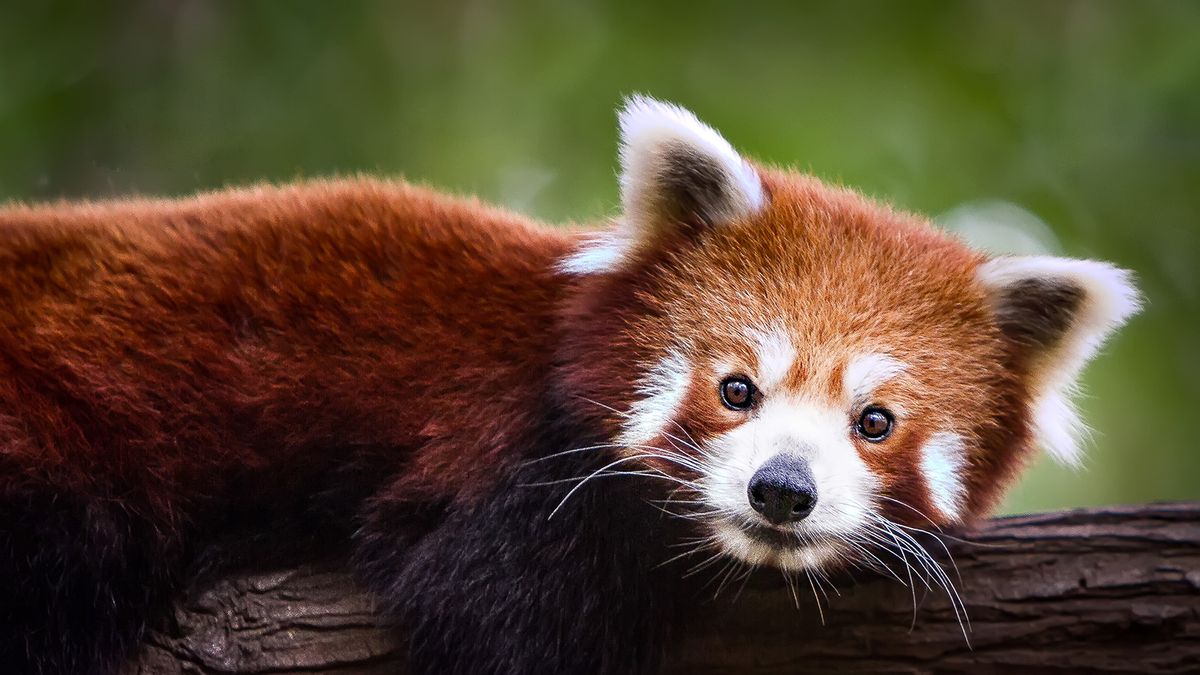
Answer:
(943, 461)
(660, 396)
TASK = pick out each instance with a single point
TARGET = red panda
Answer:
(486, 415)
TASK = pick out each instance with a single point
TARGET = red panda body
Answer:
(164, 345)
(435, 387)
(172, 368)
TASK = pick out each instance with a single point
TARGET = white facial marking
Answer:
(813, 556)
(776, 355)
(819, 434)
(943, 460)
(866, 373)
(662, 392)
(738, 544)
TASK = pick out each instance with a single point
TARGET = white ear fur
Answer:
(673, 167)
(1059, 311)
(656, 138)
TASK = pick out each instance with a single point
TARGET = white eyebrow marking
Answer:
(942, 461)
(867, 372)
(775, 353)
(662, 390)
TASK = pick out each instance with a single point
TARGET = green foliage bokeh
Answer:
(1085, 115)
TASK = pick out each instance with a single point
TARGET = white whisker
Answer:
(813, 586)
(595, 473)
(935, 572)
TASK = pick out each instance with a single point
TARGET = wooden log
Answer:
(1109, 589)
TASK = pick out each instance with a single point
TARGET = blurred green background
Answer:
(1069, 127)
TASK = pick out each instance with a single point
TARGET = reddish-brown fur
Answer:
(166, 354)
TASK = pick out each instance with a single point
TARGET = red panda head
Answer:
(804, 364)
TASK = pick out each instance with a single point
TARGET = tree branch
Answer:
(1114, 589)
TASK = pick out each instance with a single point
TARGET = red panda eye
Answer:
(737, 393)
(875, 423)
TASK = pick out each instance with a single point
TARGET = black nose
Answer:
(782, 490)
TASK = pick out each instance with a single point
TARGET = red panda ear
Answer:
(675, 171)
(1057, 312)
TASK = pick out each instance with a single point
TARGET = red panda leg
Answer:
(78, 580)
(499, 587)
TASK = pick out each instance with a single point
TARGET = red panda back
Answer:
(154, 347)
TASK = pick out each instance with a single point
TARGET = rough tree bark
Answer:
(1113, 589)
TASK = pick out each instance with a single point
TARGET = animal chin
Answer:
(763, 545)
